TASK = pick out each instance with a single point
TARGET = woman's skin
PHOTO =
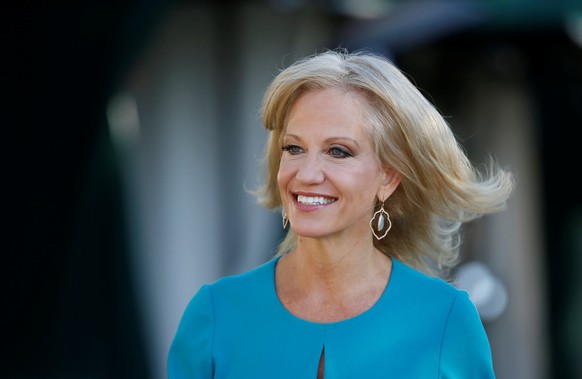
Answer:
(329, 180)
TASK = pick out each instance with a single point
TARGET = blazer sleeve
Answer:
(190, 355)
(465, 350)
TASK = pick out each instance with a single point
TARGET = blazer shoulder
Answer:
(424, 285)
(251, 279)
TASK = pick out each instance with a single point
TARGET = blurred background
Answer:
(133, 135)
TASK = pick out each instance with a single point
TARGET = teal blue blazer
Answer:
(421, 327)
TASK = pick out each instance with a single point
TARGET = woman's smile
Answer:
(314, 200)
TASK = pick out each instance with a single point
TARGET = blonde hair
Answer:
(440, 189)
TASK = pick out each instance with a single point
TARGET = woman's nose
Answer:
(311, 170)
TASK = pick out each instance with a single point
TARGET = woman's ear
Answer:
(390, 181)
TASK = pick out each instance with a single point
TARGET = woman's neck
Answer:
(336, 267)
(324, 283)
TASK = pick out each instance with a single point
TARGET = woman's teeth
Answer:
(314, 200)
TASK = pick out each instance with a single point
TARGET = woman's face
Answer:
(328, 175)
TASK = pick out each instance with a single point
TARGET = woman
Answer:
(374, 189)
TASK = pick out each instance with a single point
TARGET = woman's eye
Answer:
(292, 149)
(338, 152)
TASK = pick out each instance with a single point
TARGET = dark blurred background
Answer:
(133, 130)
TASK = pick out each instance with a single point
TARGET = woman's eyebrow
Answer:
(347, 139)
(327, 140)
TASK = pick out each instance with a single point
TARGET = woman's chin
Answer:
(306, 232)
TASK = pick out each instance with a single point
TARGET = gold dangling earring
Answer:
(285, 218)
(383, 222)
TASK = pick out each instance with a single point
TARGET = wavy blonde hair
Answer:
(440, 189)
